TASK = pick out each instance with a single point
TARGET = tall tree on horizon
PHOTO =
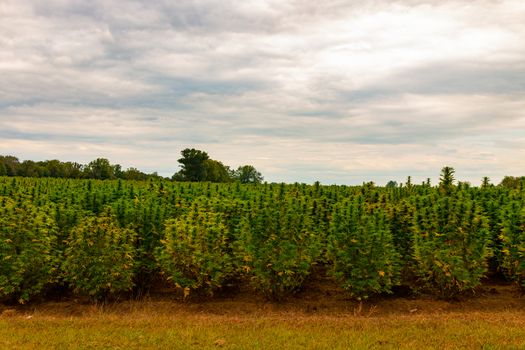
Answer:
(248, 174)
(193, 166)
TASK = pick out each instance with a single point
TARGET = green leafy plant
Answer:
(278, 249)
(195, 252)
(451, 247)
(361, 252)
(513, 239)
(28, 262)
(99, 257)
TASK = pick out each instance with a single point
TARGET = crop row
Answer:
(107, 238)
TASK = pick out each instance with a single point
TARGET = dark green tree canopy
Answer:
(192, 163)
(215, 171)
(391, 184)
(197, 166)
(513, 182)
(134, 174)
(10, 165)
(248, 174)
(100, 168)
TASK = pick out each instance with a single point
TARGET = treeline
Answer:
(196, 165)
(100, 169)
(103, 239)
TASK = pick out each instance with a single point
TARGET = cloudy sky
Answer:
(336, 91)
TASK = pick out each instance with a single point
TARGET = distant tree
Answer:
(30, 168)
(215, 171)
(512, 182)
(54, 168)
(178, 177)
(193, 168)
(485, 182)
(248, 174)
(118, 172)
(134, 174)
(391, 184)
(101, 169)
(72, 170)
(11, 164)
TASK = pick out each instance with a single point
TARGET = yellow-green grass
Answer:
(148, 328)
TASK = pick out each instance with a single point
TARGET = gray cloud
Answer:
(337, 91)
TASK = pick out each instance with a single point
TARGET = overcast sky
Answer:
(336, 91)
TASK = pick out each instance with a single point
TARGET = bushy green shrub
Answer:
(99, 257)
(361, 252)
(28, 262)
(451, 247)
(401, 224)
(278, 248)
(513, 240)
(195, 252)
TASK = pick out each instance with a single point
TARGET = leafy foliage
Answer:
(361, 251)
(446, 180)
(99, 257)
(192, 162)
(513, 237)
(451, 246)
(248, 174)
(28, 261)
(278, 248)
(110, 236)
(195, 252)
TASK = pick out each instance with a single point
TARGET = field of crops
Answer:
(107, 239)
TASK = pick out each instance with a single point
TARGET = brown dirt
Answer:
(319, 298)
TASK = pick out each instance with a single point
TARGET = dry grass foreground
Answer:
(321, 319)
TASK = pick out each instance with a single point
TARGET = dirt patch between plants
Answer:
(320, 298)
